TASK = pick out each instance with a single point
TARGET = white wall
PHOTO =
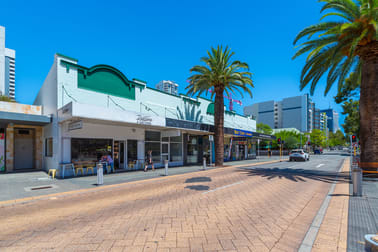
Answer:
(2, 59)
(47, 98)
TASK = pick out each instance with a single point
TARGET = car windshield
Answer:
(296, 151)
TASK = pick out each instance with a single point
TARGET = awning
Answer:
(20, 118)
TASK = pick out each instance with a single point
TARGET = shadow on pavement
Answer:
(198, 187)
(198, 179)
(298, 175)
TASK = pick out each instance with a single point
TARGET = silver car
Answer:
(299, 154)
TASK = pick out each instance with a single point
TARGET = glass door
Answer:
(119, 154)
(164, 151)
(132, 154)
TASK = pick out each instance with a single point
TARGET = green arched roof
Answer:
(105, 79)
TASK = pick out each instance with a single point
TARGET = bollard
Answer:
(357, 181)
(100, 174)
(204, 163)
(166, 167)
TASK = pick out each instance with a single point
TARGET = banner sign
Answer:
(242, 133)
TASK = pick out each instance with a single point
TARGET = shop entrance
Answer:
(24, 149)
(132, 154)
(119, 154)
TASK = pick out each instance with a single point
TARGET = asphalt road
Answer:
(257, 208)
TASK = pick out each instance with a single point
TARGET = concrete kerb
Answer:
(108, 187)
(312, 232)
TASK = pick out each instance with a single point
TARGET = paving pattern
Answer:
(363, 214)
(333, 232)
(228, 209)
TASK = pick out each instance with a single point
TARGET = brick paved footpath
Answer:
(333, 232)
(250, 213)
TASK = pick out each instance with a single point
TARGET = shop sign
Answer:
(242, 133)
(144, 119)
(171, 133)
(75, 125)
(211, 138)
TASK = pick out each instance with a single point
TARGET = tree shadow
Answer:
(297, 175)
(198, 179)
(198, 187)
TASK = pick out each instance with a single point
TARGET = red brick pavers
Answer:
(250, 213)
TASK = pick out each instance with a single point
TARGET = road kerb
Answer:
(325, 212)
(106, 187)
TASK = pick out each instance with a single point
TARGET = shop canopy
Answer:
(26, 119)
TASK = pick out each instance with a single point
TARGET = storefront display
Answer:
(83, 149)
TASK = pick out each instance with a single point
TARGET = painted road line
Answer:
(223, 187)
(319, 165)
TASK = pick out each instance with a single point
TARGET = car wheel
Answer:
(290, 160)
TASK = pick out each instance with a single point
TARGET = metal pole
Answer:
(204, 163)
(166, 167)
(258, 148)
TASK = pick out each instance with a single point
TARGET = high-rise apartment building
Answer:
(332, 119)
(168, 86)
(7, 68)
(293, 112)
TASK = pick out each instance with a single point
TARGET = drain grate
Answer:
(40, 188)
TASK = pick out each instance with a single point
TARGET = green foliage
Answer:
(6, 98)
(352, 120)
(264, 128)
(334, 52)
(292, 139)
(336, 139)
(350, 89)
(220, 72)
(317, 138)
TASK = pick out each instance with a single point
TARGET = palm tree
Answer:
(347, 47)
(220, 74)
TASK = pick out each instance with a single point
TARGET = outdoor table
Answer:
(64, 166)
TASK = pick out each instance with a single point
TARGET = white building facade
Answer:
(97, 111)
(7, 68)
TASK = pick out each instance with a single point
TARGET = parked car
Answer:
(299, 154)
(318, 151)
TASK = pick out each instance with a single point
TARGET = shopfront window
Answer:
(176, 148)
(192, 156)
(152, 142)
(90, 149)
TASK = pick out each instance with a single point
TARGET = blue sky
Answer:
(156, 40)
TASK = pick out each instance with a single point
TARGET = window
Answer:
(176, 148)
(49, 147)
(152, 142)
(83, 149)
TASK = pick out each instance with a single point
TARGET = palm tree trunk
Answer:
(369, 106)
(219, 126)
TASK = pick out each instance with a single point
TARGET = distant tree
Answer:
(291, 139)
(317, 138)
(264, 128)
(6, 99)
(352, 120)
(336, 139)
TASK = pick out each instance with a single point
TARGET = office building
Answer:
(7, 68)
(168, 86)
(293, 112)
(332, 119)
